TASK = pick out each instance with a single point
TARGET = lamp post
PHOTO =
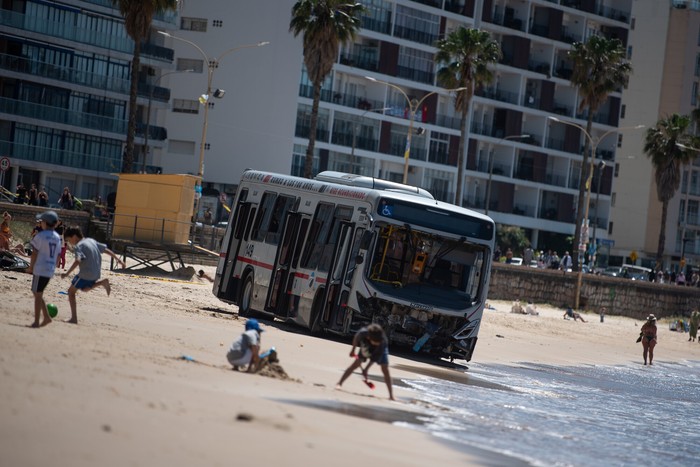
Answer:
(148, 112)
(413, 106)
(354, 129)
(488, 185)
(584, 228)
(212, 65)
(601, 166)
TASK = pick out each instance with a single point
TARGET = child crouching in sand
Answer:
(88, 254)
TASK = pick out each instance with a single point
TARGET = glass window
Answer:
(315, 241)
(197, 66)
(187, 106)
(193, 24)
(262, 220)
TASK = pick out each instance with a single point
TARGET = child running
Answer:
(88, 254)
(45, 248)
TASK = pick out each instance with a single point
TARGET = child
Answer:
(374, 347)
(45, 247)
(245, 349)
(88, 254)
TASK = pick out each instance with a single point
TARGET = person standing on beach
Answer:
(88, 255)
(694, 322)
(648, 335)
(45, 247)
(373, 346)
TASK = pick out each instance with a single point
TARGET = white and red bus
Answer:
(340, 251)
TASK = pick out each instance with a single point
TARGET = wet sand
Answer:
(143, 380)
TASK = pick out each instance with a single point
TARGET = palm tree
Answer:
(324, 24)
(466, 54)
(661, 144)
(138, 16)
(599, 67)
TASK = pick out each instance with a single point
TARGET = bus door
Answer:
(279, 299)
(228, 285)
(337, 290)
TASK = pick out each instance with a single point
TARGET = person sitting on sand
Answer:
(245, 349)
(570, 313)
(373, 345)
(6, 237)
(203, 275)
(88, 255)
(648, 335)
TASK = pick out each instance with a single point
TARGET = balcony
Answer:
(415, 75)
(498, 95)
(301, 130)
(347, 100)
(398, 148)
(363, 60)
(59, 30)
(344, 138)
(415, 35)
(61, 115)
(79, 77)
(64, 158)
(376, 25)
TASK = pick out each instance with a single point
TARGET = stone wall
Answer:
(625, 297)
(26, 213)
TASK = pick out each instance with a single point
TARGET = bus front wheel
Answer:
(246, 303)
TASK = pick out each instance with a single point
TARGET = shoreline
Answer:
(115, 390)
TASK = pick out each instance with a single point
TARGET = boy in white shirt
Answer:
(46, 246)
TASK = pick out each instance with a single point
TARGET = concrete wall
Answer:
(26, 213)
(621, 296)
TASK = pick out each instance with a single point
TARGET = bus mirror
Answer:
(359, 259)
(366, 240)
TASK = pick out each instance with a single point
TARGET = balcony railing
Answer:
(426, 77)
(84, 36)
(397, 148)
(498, 95)
(360, 60)
(80, 77)
(375, 25)
(301, 130)
(62, 157)
(80, 119)
(344, 138)
(415, 35)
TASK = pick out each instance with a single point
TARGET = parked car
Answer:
(516, 261)
(613, 271)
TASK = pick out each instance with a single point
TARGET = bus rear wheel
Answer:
(245, 307)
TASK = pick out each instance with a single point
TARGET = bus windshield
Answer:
(425, 268)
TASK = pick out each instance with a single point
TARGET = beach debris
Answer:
(502, 337)
(244, 417)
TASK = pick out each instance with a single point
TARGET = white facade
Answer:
(252, 126)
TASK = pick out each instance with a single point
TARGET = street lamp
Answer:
(354, 129)
(584, 228)
(488, 185)
(212, 64)
(148, 112)
(601, 166)
(413, 106)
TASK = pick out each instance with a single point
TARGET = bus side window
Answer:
(300, 241)
(249, 222)
(342, 213)
(317, 236)
(279, 213)
(262, 220)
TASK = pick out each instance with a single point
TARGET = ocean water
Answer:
(571, 416)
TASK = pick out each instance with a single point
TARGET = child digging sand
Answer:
(88, 254)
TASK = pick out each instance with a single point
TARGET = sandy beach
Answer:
(115, 389)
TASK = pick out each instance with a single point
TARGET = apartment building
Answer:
(665, 53)
(531, 162)
(65, 71)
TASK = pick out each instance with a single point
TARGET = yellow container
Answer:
(154, 208)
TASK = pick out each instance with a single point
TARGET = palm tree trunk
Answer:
(309, 161)
(128, 161)
(459, 197)
(662, 233)
(582, 189)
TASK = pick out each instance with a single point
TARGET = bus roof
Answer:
(330, 186)
(370, 182)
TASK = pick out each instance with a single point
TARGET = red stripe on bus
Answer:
(244, 259)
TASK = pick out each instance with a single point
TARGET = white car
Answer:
(516, 261)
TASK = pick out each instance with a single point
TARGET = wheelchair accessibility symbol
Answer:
(387, 210)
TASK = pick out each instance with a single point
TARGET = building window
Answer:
(619, 140)
(633, 21)
(193, 24)
(623, 109)
(181, 147)
(197, 66)
(439, 148)
(612, 200)
(697, 65)
(217, 23)
(617, 169)
(694, 94)
(629, 52)
(207, 146)
(610, 228)
(186, 106)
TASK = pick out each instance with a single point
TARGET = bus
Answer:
(340, 251)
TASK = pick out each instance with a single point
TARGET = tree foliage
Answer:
(465, 55)
(600, 67)
(138, 17)
(324, 25)
(511, 236)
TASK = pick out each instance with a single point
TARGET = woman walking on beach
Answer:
(649, 338)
